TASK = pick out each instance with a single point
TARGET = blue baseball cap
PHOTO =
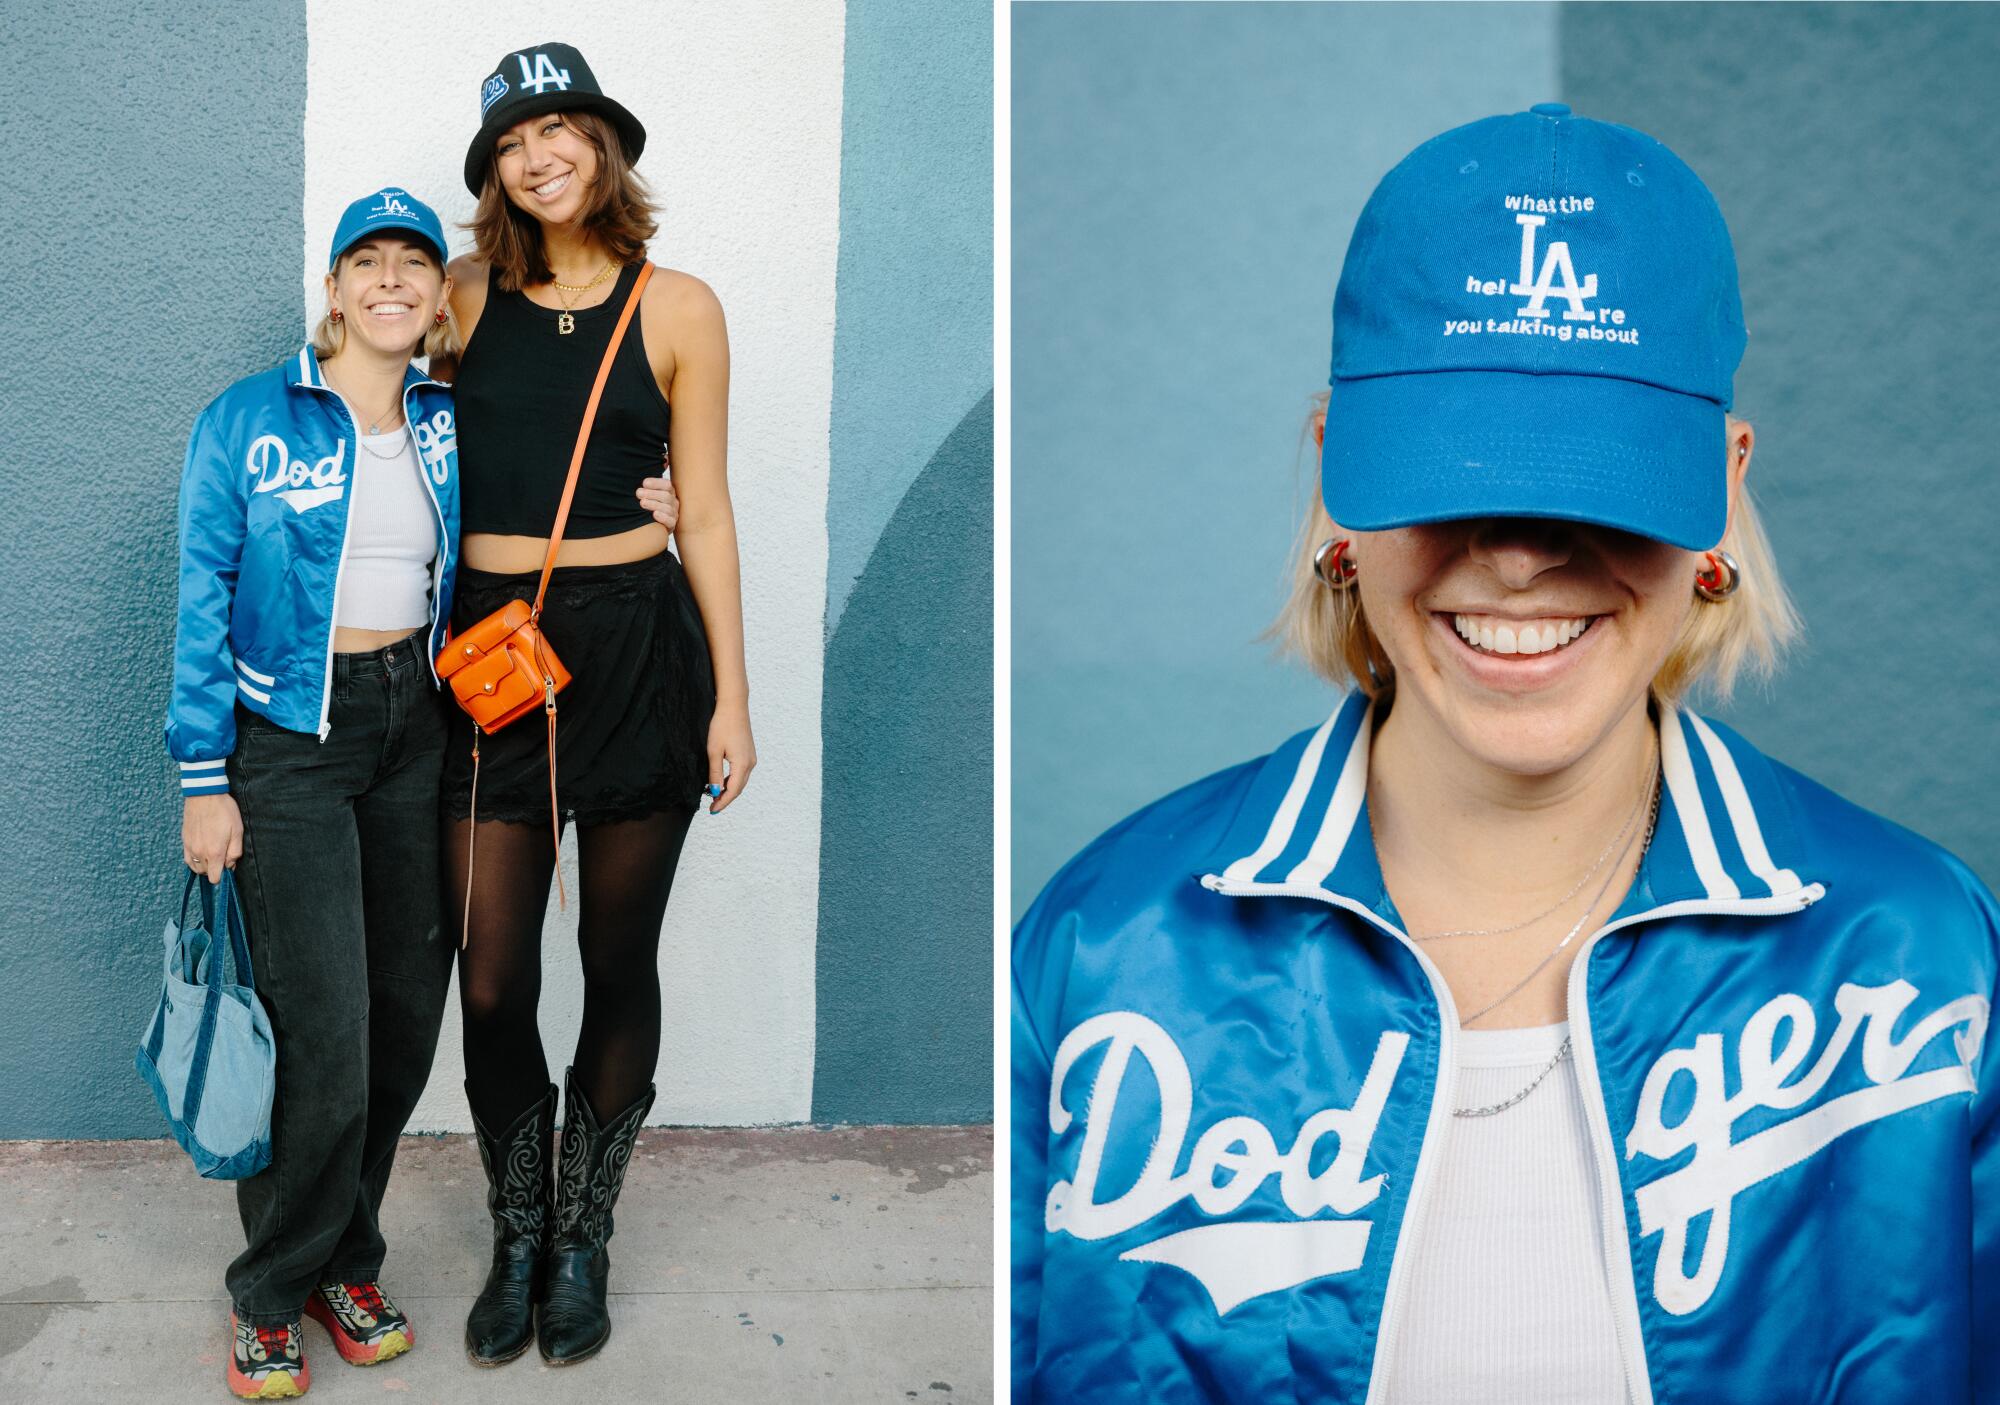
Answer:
(388, 208)
(1537, 317)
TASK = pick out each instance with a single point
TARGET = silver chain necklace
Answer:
(1491, 1108)
(1620, 844)
(402, 432)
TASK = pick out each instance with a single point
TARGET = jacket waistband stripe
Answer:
(202, 765)
(253, 675)
(1341, 811)
(258, 693)
(1736, 798)
(218, 781)
(1245, 869)
(1678, 768)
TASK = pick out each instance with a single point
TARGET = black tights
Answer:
(626, 870)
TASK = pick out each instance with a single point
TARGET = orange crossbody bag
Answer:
(502, 668)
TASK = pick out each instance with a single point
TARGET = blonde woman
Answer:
(319, 524)
(1515, 1034)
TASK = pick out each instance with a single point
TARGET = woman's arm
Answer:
(201, 705)
(698, 441)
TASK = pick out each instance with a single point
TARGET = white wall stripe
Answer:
(258, 693)
(742, 108)
(253, 675)
(1749, 835)
(1681, 784)
(1246, 869)
(1340, 811)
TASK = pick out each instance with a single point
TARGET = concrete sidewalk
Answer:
(797, 1264)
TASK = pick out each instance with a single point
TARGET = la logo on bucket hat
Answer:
(1537, 317)
(529, 82)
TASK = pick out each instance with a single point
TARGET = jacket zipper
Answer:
(444, 535)
(340, 564)
(1436, 1130)
(1611, 1201)
(1615, 1238)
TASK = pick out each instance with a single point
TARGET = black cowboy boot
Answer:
(574, 1322)
(502, 1322)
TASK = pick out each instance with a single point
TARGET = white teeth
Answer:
(552, 187)
(1505, 637)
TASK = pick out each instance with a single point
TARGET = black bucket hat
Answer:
(542, 78)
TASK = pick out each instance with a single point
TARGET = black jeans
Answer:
(339, 885)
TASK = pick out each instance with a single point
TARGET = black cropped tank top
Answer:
(519, 396)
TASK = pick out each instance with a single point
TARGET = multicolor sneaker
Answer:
(268, 1363)
(365, 1326)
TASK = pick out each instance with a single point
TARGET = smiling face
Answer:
(388, 291)
(1523, 640)
(546, 168)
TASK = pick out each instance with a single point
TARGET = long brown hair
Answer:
(618, 210)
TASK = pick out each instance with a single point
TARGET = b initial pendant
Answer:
(565, 324)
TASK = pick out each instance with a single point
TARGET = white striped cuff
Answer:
(204, 777)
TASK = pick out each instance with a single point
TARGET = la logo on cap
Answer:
(543, 74)
(391, 205)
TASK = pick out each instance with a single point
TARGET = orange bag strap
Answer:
(583, 434)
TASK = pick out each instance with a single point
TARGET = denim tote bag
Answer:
(208, 1054)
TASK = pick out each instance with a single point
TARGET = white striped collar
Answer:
(1304, 823)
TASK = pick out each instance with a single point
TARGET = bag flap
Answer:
(482, 638)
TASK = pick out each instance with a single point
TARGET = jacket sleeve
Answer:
(201, 715)
(1986, 1175)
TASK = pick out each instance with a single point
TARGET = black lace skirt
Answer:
(631, 727)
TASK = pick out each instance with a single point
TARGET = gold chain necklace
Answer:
(566, 323)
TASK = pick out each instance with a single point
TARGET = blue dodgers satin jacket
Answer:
(1232, 1085)
(263, 535)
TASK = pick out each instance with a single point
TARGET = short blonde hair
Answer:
(1746, 634)
(441, 339)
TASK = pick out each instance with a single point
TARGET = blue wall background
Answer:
(153, 253)
(905, 1002)
(154, 249)
(1173, 279)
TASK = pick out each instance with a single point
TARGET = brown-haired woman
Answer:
(658, 708)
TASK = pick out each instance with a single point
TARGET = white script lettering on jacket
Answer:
(1235, 1260)
(300, 485)
(1721, 1168)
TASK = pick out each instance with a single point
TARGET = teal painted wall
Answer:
(1185, 180)
(1851, 150)
(906, 853)
(154, 228)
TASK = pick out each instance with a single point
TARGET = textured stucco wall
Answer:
(1851, 150)
(198, 157)
(1173, 275)
(153, 238)
(906, 863)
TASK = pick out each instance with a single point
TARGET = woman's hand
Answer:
(211, 834)
(657, 496)
(731, 753)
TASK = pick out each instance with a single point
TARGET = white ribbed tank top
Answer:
(392, 538)
(1508, 1304)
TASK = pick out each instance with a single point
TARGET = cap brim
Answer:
(631, 132)
(1402, 450)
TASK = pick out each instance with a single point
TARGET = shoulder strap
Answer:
(583, 434)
